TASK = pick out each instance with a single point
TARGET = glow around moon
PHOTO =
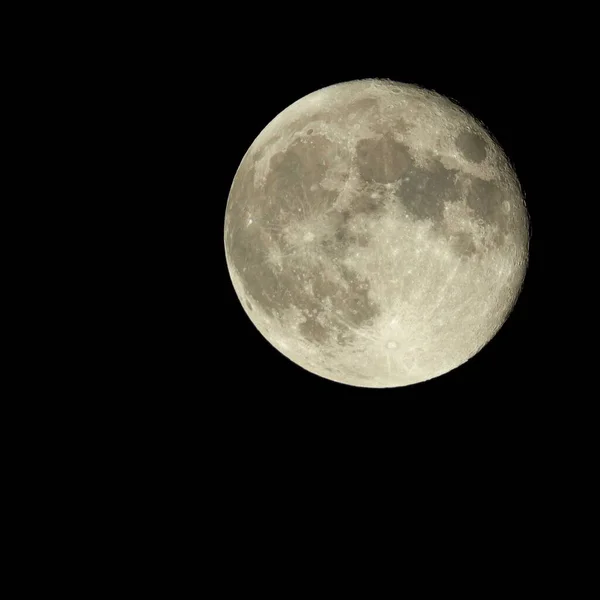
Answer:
(376, 234)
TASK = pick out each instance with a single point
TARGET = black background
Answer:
(195, 407)
(209, 405)
(502, 90)
(273, 446)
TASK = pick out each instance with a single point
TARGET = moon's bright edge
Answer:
(376, 234)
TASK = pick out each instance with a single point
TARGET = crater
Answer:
(382, 160)
(472, 146)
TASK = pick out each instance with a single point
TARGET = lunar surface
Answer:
(376, 234)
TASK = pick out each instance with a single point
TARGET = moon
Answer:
(376, 234)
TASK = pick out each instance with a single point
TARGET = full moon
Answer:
(376, 234)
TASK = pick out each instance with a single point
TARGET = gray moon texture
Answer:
(376, 234)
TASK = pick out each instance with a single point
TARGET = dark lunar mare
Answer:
(290, 194)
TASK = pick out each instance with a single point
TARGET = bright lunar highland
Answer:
(376, 234)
